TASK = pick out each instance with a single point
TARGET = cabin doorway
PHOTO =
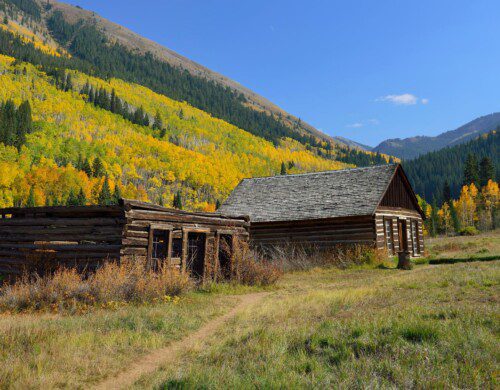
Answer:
(196, 248)
(225, 254)
(403, 235)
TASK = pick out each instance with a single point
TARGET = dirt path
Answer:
(150, 363)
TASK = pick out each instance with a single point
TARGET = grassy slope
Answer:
(433, 326)
(436, 326)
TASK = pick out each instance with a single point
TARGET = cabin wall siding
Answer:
(43, 238)
(321, 234)
(396, 214)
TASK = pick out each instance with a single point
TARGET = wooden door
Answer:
(403, 235)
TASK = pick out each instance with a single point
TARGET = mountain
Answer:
(81, 114)
(353, 144)
(107, 49)
(429, 172)
(409, 148)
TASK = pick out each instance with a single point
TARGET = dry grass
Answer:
(486, 244)
(300, 258)
(251, 269)
(112, 284)
(433, 327)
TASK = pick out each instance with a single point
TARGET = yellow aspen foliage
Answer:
(445, 218)
(466, 205)
(196, 152)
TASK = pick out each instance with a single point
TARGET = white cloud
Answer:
(405, 99)
(424, 101)
(357, 125)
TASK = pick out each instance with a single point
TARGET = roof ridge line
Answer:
(320, 172)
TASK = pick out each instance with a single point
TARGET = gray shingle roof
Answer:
(331, 194)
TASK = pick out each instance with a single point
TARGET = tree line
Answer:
(476, 207)
(429, 172)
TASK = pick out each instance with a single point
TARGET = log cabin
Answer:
(373, 206)
(41, 239)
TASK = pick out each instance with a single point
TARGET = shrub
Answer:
(252, 269)
(66, 289)
(469, 231)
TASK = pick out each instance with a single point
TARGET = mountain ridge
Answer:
(136, 42)
(412, 147)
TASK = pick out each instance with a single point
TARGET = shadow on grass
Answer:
(452, 260)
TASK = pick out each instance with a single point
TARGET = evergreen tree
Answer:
(87, 168)
(8, 123)
(24, 123)
(434, 219)
(82, 198)
(5, 20)
(72, 199)
(217, 204)
(454, 217)
(283, 169)
(446, 192)
(105, 198)
(158, 122)
(31, 201)
(98, 168)
(486, 171)
(163, 133)
(68, 84)
(178, 200)
(117, 195)
(471, 173)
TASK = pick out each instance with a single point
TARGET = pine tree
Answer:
(82, 198)
(178, 201)
(8, 123)
(471, 174)
(446, 192)
(163, 133)
(68, 85)
(5, 20)
(217, 204)
(117, 195)
(24, 123)
(283, 169)
(98, 168)
(486, 171)
(105, 198)
(434, 219)
(72, 199)
(158, 122)
(454, 217)
(86, 167)
(31, 201)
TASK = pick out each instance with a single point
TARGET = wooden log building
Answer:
(43, 238)
(373, 206)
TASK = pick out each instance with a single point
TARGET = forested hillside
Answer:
(76, 144)
(429, 172)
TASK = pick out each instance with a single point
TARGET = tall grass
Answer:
(302, 257)
(113, 283)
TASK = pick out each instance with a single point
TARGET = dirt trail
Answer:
(150, 363)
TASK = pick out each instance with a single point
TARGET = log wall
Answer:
(42, 238)
(321, 234)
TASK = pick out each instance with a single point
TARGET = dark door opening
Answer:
(225, 254)
(195, 260)
(403, 235)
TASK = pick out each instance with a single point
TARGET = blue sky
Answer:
(365, 70)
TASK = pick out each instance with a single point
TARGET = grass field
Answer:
(435, 326)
